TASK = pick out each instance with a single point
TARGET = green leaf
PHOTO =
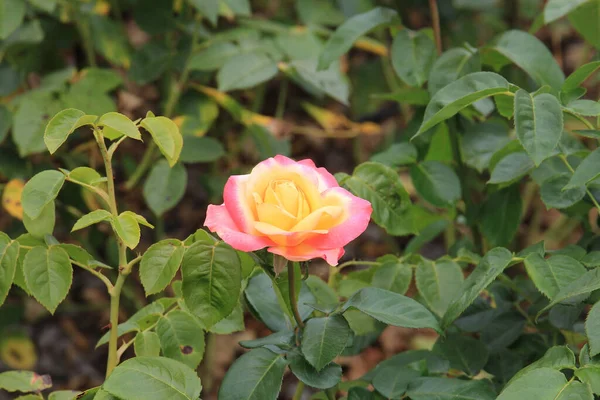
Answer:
(282, 339)
(538, 123)
(149, 62)
(391, 308)
(121, 124)
(48, 275)
(42, 225)
(590, 376)
(500, 216)
(592, 259)
(592, 329)
(323, 339)
(409, 95)
(585, 20)
(481, 141)
(449, 389)
(40, 190)
(555, 196)
(64, 395)
(511, 168)
(110, 40)
(234, 322)
(127, 227)
(541, 383)
(208, 9)
(346, 34)
(11, 16)
(459, 94)
(146, 344)
(201, 149)
(398, 154)
(257, 375)
(438, 283)
(239, 7)
(436, 183)
(165, 187)
(579, 75)
(153, 378)
(586, 171)
(413, 70)
(587, 108)
(552, 275)
(86, 175)
(92, 218)
(181, 337)
(393, 276)
(464, 353)
(266, 302)
(576, 390)
(211, 281)
(62, 125)
(24, 381)
(328, 377)
(257, 68)
(556, 9)
(381, 186)
(490, 266)
(392, 381)
(166, 135)
(329, 81)
(451, 65)
(9, 254)
(576, 291)
(159, 265)
(213, 57)
(556, 357)
(529, 54)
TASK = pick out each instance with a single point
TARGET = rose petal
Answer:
(282, 237)
(219, 220)
(358, 213)
(303, 252)
(327, 180)
(235, 198)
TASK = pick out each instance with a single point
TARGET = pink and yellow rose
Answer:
(296, 210)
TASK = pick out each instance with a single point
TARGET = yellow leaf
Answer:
(18, 352)
(11, 198)
(102, 7)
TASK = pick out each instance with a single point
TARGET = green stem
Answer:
(124, 266)
(299, 391)
(293, 298)
(435, 22)
(115, 296)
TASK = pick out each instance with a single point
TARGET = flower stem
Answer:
(293, 298)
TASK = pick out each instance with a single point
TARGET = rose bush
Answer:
(296, 210)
